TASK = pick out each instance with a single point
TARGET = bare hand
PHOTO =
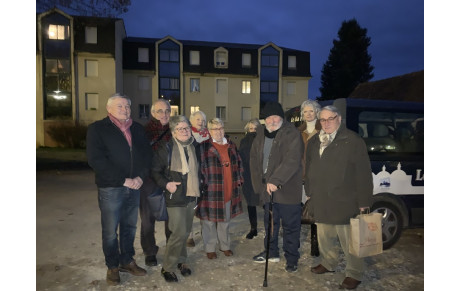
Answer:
(172, 186)
(271, 188)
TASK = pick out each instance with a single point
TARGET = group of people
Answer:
(204, 175)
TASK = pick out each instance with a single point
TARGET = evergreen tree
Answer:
(100, 8)
(348, 64)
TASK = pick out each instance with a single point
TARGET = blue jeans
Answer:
(119, 207)
(290, 217)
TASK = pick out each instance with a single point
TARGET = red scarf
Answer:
(204, 132)
(124, 127)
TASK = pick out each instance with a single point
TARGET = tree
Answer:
(348, 64)
(100, 8)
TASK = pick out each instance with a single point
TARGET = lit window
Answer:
(91, 34)
(144, 111)
(194, 58)
(246, 87)
(246, 61)
(245, 113)
(194, 109)
(91, 68)
(143, 55)
(57, 66)
(174, 110)
(58, 31)
(143, 83)
(290, 88)
(194, 85)
(92, 101)
(221, 112)
(292, 62)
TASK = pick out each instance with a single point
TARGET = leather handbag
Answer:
(157, 204)
(307, 215)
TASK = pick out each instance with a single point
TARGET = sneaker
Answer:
(260, 258)
(169, 276)
(113, 277)
(291, 268)
(133, 269)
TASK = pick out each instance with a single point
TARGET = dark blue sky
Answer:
(396, 27)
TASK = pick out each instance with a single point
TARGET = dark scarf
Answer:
(154, 130)
(270, 134)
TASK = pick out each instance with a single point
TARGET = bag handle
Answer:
(364, 210)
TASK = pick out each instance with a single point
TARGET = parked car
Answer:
(393, 132)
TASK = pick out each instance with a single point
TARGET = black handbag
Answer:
(157, 204)
(157, 200)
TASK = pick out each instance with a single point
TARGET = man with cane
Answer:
(276, 173)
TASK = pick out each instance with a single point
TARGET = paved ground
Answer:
(69, 253)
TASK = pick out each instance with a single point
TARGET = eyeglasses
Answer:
(161, 112)
(220, 128)
(182, 129)
(330, 119)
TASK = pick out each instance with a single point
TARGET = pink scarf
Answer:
(124, 127)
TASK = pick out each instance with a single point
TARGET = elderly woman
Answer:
(175, 168)
(199, 130)
(221, 170)
(200, 133)
(311, 126)
(252, 199)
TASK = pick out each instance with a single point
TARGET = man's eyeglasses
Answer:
(330, 119)
(220, 128)
(182, 129)
(161, 112)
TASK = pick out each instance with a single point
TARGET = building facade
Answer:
(81, 61)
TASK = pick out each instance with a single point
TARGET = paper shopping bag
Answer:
(366, 235)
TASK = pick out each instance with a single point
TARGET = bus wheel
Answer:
(392, 222)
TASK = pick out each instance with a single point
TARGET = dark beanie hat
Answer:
(272, 108)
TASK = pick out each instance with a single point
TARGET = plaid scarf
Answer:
(154, 130)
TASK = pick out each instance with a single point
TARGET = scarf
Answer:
(270, 134)
(124, 127)
(200, 135)
(179, 164)
(154, 129)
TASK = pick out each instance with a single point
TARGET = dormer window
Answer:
(221, 58)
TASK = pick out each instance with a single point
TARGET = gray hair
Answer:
(215, 121)
(253, 121)
(176, 119)
(196, 113)
(330, 108)
(118, 95)
(158, 101)
(312, 103)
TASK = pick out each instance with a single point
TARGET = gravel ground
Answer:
(69, 251)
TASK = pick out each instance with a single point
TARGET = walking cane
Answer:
(270, 218)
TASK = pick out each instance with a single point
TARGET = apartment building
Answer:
(81, 61)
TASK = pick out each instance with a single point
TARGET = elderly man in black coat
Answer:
(338, 178)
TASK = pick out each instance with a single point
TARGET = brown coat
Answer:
(306, 137)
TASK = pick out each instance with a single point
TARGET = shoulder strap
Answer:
(159, 138)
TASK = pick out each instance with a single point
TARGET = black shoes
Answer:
(291, 268)
(184, 270)
(169, 276)
(151, 261)
(252, 233)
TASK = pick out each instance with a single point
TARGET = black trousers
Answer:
(148, 241)
(252, 213)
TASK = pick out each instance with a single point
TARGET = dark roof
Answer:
(408, 87)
